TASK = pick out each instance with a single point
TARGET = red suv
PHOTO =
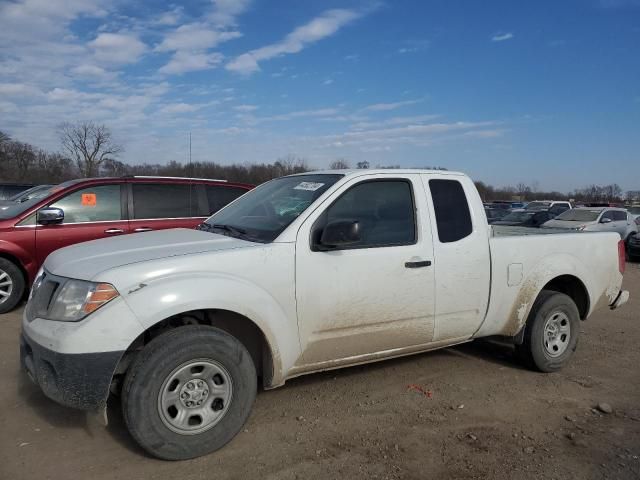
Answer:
(82, 210)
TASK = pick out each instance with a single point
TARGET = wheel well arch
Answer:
(13, 259)
(239, 326)
(574, 288)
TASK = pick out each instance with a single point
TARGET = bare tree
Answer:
(89, 145)
(363, 165)
(339, 164)
(4, 137)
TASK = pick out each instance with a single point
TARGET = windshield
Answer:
(579, 215)
(538, 205)
(263, 213)
(13, 209)
(36, 192)
(634, 210)
(517, 217)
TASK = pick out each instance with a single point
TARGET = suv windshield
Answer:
(263, 213)
(579, 215)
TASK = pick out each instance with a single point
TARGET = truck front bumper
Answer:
(78, 380)
(621, 299)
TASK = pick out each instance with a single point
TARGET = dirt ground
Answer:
(486, 418)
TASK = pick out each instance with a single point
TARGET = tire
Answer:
(544, 348)
(163, 425)
(12, 285)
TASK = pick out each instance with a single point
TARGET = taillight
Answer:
(621, 256)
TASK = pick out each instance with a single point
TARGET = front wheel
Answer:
(12, 285)
(188, 392)
(551, 332)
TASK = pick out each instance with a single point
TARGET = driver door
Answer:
(374, 296)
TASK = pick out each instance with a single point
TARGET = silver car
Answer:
(595, 219)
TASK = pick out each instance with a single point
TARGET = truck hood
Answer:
(85, 260)
(566, 224)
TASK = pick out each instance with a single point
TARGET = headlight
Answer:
(79, 298)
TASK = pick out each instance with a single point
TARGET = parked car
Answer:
(634, 211)
(39, 191)
(597, 219)
(633, 245)
(303, 274)
(554, 208)
(534, 218)
(508, 204)
(495, 214)
(8, 190)
(82, 210)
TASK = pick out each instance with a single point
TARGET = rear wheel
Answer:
(188, 392)
(12, 284)
(551, 332)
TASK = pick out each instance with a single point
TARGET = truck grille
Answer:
(43, 294)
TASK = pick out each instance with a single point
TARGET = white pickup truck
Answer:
(305, 273)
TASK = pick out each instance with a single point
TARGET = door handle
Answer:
(113, 231)
(142, 229)
(419, 264)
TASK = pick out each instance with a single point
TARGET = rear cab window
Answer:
(453, 218)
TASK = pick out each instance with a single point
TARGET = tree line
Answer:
(89, 150)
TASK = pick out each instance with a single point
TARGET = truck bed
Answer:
(506, 231)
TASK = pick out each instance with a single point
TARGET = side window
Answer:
(164, 200)
(619, 216)
(608, 214)
(452, 210)
(93, 204)
(219, 196)
(384, 210)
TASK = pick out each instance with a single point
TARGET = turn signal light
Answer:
(103, 293)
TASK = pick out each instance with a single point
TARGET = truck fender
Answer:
(548, 269)
(175, 294)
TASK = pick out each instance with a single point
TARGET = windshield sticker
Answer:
(89, 199)
(309, 186)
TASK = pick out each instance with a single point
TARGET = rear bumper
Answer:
(621, 299)
(78, 380)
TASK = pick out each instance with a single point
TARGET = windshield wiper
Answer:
(230, 228)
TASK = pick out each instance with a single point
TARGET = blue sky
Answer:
(542, 92)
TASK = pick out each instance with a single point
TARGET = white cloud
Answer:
(406, 120)
(195, 36)
(323, 26)
(179, 108)
(117, 48)
(192, 42)
(245, 108)
(501, 37)
(328, 81)
(385, 107)
(183, 62)
(18, 90)
(86, 70)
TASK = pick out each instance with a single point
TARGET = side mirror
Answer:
(49, 216)
(605, 220)
(339, 234)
